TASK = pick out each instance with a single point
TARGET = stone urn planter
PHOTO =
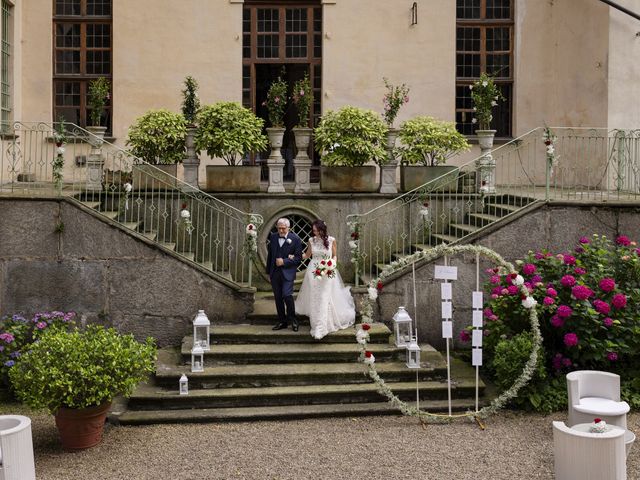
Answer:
(348, 179)
(95, 160)
(275, 162)
(388, 171)
(415, 176)
(239, 178)
(81, 428)
(302, 162)
(191, 162)
(486, 165)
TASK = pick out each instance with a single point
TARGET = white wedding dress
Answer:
(327, 302)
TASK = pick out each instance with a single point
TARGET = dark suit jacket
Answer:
(276, 251)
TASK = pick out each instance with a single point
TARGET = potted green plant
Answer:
(276, 104)
(428, 143)
(76, 374)
(302, 98)
(394, 98)
(229, 131)
(190, 108)
(158, 137)
(98, 97)
(349, 138)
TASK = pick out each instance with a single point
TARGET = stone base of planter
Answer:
(415, 176)
(242, 178)
(348, 179)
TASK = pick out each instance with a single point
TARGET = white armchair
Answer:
(16, 448)
(588, 456)
(595, 394)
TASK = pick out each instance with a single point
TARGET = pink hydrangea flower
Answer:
(556, 362)
(623, 240)
(578, 250)
(504, 291)
(7, 337)
(571, 339)
(41, 325)
(557, 321)
(568, 281)
(528, 269)
(569, 259)
(495, 279)
(607, 322)
(552, 292)
(548, 301)
(487, 312)
(584, 240)
(538, 256)
(607, 284)
(601, 307)
(564, 311)
(581, 292)
(612, 356)
(536, 279)
(465, 336)
(512, 290)
(494, 296)
(619, 301)
(579, 271)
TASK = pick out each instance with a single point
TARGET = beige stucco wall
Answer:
(624, 67)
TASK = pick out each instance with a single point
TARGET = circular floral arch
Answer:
(427, 255)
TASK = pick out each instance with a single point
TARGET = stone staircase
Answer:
(255, 373)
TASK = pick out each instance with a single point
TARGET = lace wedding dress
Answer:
(327, 302)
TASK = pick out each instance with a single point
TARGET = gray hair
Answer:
(284, 221)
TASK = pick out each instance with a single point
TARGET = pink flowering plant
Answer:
(302, 98)
(396, 96)
(588, 301)
(17, 333)
(276, 102)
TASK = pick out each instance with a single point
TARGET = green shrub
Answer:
(98, 97)
(81, 368)
(302, 97)
(485, 96)
(229, 131)
(190, 100)
(429, 142)
(159, 137)
(276, 102)
(351, 137)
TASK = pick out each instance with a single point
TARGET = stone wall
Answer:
(555, 227)
(56, 256)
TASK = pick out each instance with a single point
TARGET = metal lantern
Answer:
(201, 326)
(413, 353)
(184, 385)
(402, 325)
(197, 359)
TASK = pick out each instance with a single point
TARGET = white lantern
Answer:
(197, 359)
(413, 353)
(201, 332)
(184, 385)
(402, 325)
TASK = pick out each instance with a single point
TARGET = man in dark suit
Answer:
(285, 254)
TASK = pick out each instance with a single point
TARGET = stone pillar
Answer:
(486, 165)
(275, 162)
(95, 160)
(388, 171)
(302, 162)
(191, 161)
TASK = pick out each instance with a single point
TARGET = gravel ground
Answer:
(513, 446)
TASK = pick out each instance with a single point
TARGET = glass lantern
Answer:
(402, 326)
(184, 385)
(197, 359)
(413, 353)
(201, 326)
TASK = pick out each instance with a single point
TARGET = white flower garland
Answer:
(252, 240)
(427, 255)
(549, 138)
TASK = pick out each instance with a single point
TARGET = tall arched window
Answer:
(484, 43)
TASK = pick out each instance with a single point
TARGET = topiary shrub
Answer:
(229, 131)
(351, 137)
(429, 142)
(158, 137)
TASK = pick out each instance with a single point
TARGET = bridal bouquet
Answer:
(325, 268)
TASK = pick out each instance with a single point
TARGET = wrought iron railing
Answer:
(584, 164)
(139, 196)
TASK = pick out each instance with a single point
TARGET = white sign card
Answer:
(477, 318)
(447, 329)
(443, 272)
(445, 291)
(446, 310)
(476, 357)
(476, 338)
(477, 299)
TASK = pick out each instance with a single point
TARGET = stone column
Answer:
(388, 171)
(302, 162)
(275, 162)
(95, 160)
(191, 161)
(486, 165)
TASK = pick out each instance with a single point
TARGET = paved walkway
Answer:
(514, 446)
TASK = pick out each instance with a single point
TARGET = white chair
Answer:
(588, 456)
(16, 448)
(594, 394)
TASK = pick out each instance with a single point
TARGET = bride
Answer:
(326, 301)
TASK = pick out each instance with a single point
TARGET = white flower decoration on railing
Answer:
(185, 218)
(252, 240)
(549, 139)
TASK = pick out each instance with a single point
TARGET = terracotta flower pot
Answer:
(81, 428)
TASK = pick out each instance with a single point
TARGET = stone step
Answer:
(440, 238)
(460, 230)
(288, 412)
(132, 225)
(168, 245)
(92, 205)
(151, 397)
(481, 219)
(188, 255)
(111, 214)
(500, 209)
(151, 235)
(291, 352)
(234, 334)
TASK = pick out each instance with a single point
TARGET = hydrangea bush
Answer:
(588, 303)
(18, 332)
